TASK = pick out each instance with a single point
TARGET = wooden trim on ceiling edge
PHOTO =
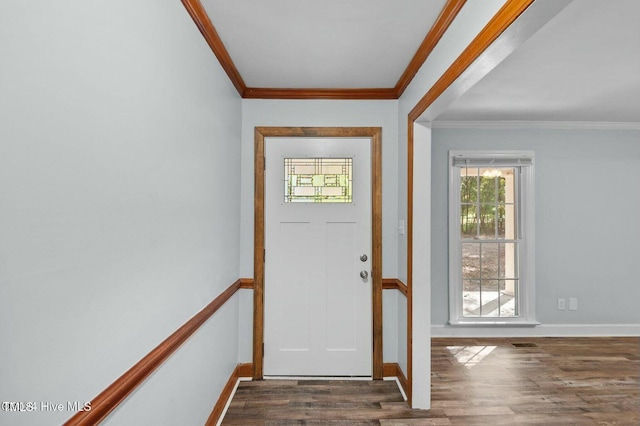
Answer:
(440, 26)
(118, 391)
(208, 31)
(336, 94)
(203, 22)
(260, 133)
(507, 14)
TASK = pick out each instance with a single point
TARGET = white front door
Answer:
(317, 306)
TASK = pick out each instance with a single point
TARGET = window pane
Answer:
(468, 221)
(489, 260)
(507, 222)
(488, 200)
(471, 298)
(318, 180)
(489, 298)
(507, 261)
(487, 219)
(501, 188)
(488, 189)
(489, 243)
(468, 185)
(470, 261)
(508, 303)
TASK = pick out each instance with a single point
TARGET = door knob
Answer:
(364, 275)
(363, 258)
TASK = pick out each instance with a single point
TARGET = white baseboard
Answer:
(543, 330)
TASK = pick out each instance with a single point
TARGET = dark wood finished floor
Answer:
(543, 381)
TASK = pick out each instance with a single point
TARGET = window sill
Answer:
(493, 323)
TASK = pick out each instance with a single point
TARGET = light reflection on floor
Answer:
(469, 356)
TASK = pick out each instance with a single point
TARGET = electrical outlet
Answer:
(561, 304)
(573, 304)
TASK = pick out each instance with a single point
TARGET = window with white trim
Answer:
(491, 237)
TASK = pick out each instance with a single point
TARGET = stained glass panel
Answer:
(318, 180)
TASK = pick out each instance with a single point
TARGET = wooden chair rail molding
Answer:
(246, 283)
(387, 284)
(113, 395)
(394, 284)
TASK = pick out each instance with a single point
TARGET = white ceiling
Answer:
(583, 65)
(322, 43)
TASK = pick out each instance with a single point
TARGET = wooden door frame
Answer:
(375, 134)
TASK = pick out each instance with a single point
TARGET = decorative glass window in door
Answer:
(318, 180)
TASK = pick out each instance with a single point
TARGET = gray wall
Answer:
(119, 207)
(586, 217)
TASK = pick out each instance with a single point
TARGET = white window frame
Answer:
(525, 208)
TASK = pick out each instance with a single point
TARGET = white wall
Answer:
(421, 265)
(119, 214)
(586, 220)
(320, 113)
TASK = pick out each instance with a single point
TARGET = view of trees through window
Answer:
(483, 198)
(488, 241)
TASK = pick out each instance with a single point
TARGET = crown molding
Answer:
(342, 94)
(208, 31)
(199, 15)
(554, 125)
(507, 14)
(440, 26)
